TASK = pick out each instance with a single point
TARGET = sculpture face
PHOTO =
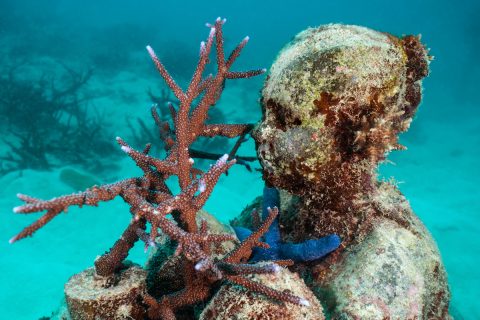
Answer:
(336, 95)
(291, 151)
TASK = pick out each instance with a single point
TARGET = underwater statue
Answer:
(334, 102)
(332, 241)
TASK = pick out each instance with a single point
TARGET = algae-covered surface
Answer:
(438, 173)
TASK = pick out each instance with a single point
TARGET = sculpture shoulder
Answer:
(392, 205)
(394, 271)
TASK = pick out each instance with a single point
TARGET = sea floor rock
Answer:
(87, 299)
(237, 303)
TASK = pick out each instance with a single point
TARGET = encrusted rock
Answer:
(234, 302)
(87, 299)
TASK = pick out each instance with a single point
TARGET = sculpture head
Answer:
(336, 98)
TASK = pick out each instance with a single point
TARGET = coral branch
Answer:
(269, 292)
(243, 252)
(239, 269)
(151, 200)
(177, 91)
(244, 74)
(29, 230)
(225, 130)
(236, 52)
(55, 206)
(111, 261)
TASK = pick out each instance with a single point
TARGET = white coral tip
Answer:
(276, 268)
(151, 243)
(304, 302)
(201, 265)
(126, 149)
(202, 186)
(150, 51)
(12, 240)
(17, 209)
(223, 159)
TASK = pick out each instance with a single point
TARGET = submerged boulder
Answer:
(88, 299)
(235, 302)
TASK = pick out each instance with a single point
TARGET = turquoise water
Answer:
(40, 41)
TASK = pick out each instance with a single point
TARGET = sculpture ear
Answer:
(417, 65)
(418, 58)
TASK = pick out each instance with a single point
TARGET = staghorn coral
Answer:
(28, 111)
(151, 200)
(165, 105)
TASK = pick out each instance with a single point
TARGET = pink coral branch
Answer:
(269, 292)
(151, 200)
(177, 91)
